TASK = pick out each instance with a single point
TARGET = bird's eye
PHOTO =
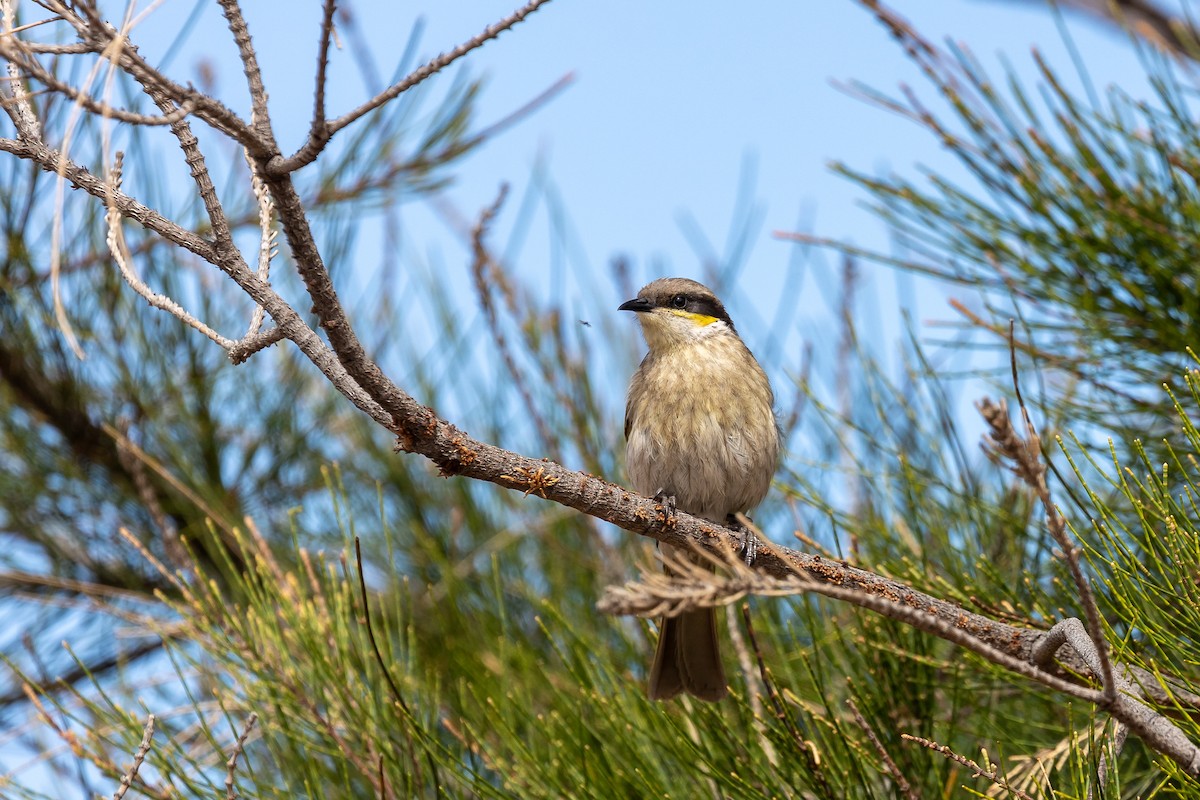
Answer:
(679, 301)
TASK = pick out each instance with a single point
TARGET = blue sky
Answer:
(674, 107)
(673, 111)
(669, 104)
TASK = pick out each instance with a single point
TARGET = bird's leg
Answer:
(667, 501)
(747, 541)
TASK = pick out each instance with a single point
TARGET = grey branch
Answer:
(323, 130)
(1019, 650)
(128, 778)
(231, 764)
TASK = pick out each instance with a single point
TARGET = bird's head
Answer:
(675, 311)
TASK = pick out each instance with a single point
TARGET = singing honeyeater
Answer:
(699, 427)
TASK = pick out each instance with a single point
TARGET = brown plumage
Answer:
(699, 426)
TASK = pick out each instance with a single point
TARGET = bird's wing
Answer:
(638, 378)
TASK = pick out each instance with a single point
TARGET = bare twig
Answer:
(249, 345)
(318, 129)
(100, 37)
(976, 770)
(53, 49)
(804, 747)
(485, 270)
(149, 498)
(755, 688)
(260, 118)
(267, 248)
(16, 100)
(889, 764)
(231, 764)
(1025, 454)
(131, 774)
(319, 138)
(131, 450)
(53, 161)
(37, 72)
(291, 325)
(116, 246)
(397, 695)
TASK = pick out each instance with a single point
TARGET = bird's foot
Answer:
(667, 501)
(747, 541)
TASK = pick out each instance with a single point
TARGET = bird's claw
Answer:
(667, 501)
(747, 541)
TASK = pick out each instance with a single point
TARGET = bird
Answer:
(700, 435)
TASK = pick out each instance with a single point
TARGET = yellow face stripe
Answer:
(699, 319)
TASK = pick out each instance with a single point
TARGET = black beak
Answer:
(637, 304)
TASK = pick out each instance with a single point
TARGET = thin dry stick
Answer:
(888, 762)
(1154, 729)
(664, 595)
(19, 109)
(128, 778)
(754, 685)
(132, 449)
(317, 139)
(977, 770)
(260, 119)
(53, 161)
(1034, 474)
(224, 247)
(56, 235)
(39, 73)
(224, 255)
(149, 498)
(267, 248)
(120, 254)
(483, 264)
(847, 342)
(94, 32)
(31, 25)
(231, 764)
(803, 746)
(318, 129)
(397, 695)
(60, 312)
(288, 320)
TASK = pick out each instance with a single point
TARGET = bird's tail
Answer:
(688, 658)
